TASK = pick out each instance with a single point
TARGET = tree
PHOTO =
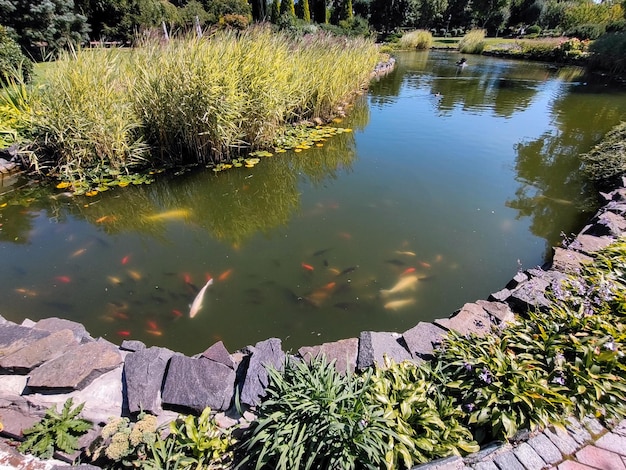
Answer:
(259, 10)
(306, 11)
(52, 24)
(387, 15)
(490, 13)
(275, 14)
(287, 6)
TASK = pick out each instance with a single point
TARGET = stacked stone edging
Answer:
(43, 363)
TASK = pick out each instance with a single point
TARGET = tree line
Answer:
(56, 23)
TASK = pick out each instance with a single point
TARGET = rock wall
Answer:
(46, 362)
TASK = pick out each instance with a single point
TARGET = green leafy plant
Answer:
(426, 423)
(56, 431)
(313, 417)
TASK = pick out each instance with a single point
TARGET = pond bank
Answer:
(47, 362)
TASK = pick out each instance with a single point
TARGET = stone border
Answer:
(46, 362)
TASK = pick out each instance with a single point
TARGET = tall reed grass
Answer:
(473, 42)
(199, 100)
(418, 39)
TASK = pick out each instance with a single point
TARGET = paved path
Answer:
(582, 446)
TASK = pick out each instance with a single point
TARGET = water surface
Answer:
(458, 177)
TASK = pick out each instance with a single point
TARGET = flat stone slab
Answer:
(531, 294)
(38, 352)
(218, 353)
(261, 355)
(499, 312)
(471, 319)
(76, 368)
(374, 346)
(590, 244)
(144, 371)
(14, 337)
(54, 324)
(422, 339)
(343, 352)
(569, 261)
(198, 383)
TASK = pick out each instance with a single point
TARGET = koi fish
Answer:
(348, 270)
(398, 304)
(345, 235)
(425, 264)
(225, 275)
(26, 292)
(335, 271)
(135, 275)
(405, 283)
(197, 302)
(330, 285)
(321, 252)
(395, 262)
(308, 267)
(78, 252)
(408, 271)
(152, 325)
(114, 280)
(120, 315)
(64, 279)
(126, 259)
(105, 218)
(405, 253)
(177, 313)
(169, 215)
(124, 333)
(155, 332)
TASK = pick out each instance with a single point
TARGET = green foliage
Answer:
(473, 42)
(426, 423)
(239, 22)
(56, 432)
(124, 444)
(355, 26)
(608, 53)
(275, 11)
(313, 417)
(306, 11)
(586, 31)
(419, 39)
(15, 111)
(287, 7)
(533, 29)
(606, 162)
(12, 60)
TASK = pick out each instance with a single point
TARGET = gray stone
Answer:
(621, 428)
(76, 368)
(132, 345)
(471, 319)
(531, 294)
(594, 426)
(14, 337)
(374, 346)
(218, 353)
(448, 463)
(261, 355)
(143, 374)
(198, 383)
(485, 466)
(546, 449)
(577, 431)
(500, 312)
(529, 457)
(487, 452)
(422, 339)
(519, 277)
(54, 324)
(589, 244)
(560, 438)
(569, 261)
(76, 467)
(343, 352)
(508, 461)
(36, 353)
(501, 295)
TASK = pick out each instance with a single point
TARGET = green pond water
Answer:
(449, 182)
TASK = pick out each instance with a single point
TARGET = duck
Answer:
(461, 62)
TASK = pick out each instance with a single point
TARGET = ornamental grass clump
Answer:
(606, 162)
(313, 417)
(473, 42)
(418, 39)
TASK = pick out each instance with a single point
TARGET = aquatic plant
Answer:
(418, 39)
(473, 42)
(313, 417)
(56, 431)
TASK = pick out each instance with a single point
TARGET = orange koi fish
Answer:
(135, 275)
(152, 325)
(408, 271)
(63, 279)
(308, 267)
(225, 275)
(425, 264)
(330, 285)
(177, 313)
(120, 315)
(155, 332)
(78, 252)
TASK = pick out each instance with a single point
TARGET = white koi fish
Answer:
(405, 283)
(398, 304)
(197, 302)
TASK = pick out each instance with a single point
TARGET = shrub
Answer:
(419, 39)
(234, 21)
(56, 431)
(586, 31)
(606, 162)
(12, 61)
(473, 42)
(15, 111)
(608, 53)
(533, 29)
(313, 417)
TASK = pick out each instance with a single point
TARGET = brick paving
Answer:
(581, 446)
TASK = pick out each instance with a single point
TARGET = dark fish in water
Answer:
(348, 270)
(343, 287)
(326, 262)
(61, 306)
(346, 305)
(321, 252)
(193, 287)
(158, 299)
(395, 262)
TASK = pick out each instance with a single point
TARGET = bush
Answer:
(606, 162)
(586, 31)
(534, 30)
(355, 26)
(473, 42)
(313, 417)
(13, 63)
(234, 21)
(419, 39)
(608, 53)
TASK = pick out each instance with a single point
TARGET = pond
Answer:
(448, 181)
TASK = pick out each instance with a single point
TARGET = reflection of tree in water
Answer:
(552, 188)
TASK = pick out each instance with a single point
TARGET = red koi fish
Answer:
(64, 279)
(408, 271)
(126, 259)
(124, 333)
(152, 325)
(308, 267)
(177, 313)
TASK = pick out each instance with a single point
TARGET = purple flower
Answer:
(467, 366)
(485, 376)
(469, 407)
(559, 378)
